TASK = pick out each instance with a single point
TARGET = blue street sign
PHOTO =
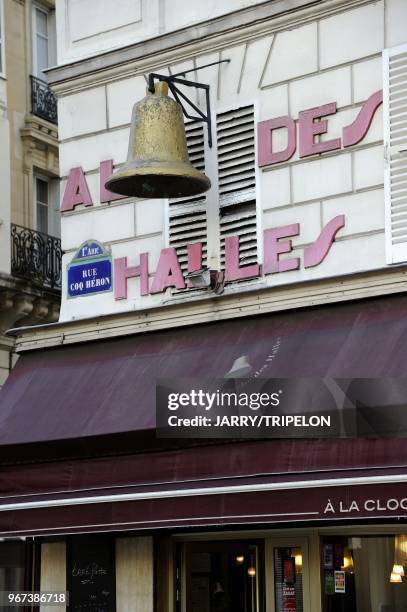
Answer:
(90, 249)
(90, 271)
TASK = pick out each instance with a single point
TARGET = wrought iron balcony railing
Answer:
(43, 100)
(36, 257)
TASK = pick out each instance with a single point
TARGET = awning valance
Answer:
(255, 482)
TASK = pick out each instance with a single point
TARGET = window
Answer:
(395, 141)
(360, 574)
(46, 205)
(2, 53)
(43, 41)
(229, 209)
(42, 203)
(12, 567)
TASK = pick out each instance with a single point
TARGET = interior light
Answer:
(251, 572)
(396, 578)
(298, 563)
(348, 563)
(239, 559)
(398, 569)
(400, 542)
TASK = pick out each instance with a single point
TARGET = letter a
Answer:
(168, 273)
(76, 191)
(329, 507)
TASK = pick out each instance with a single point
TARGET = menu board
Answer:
(91, 574)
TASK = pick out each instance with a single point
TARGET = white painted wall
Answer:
(284, 73)
(5, 203)
(90, 27)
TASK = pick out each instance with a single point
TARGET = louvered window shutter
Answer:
(187, 216)
(237, 186)
(395, 141)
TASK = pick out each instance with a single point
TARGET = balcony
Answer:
(36, 258)
(43, 100)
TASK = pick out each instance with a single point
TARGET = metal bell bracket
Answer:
(173, 80)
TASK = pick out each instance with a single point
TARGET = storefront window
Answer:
(12, 567)
(361, 574)
(223, 577)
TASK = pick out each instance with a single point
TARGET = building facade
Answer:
(304, 235)
(30, 256)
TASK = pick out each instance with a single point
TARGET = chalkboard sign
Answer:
(91, 574)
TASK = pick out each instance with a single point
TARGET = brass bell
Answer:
(157, 163)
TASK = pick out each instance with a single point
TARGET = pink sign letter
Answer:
(273, 248)
(309, 129)
(76, 190)
(353, 133)
(168, 273)
(265, 138)
(194, 252)
(122, 272)
(233, 270)
(317, 252)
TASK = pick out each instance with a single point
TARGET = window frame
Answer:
(26, 547)
(53, 203)
(46, 180)
(51, 37)
(2, 42)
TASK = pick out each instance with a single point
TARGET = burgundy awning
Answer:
(63, 405)
(255, 482)
(100, 389)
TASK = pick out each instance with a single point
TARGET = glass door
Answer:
(288, 575)
(222, 577)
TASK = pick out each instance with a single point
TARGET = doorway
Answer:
(223, 576)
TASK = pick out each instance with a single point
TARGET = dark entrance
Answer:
(222, 577)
